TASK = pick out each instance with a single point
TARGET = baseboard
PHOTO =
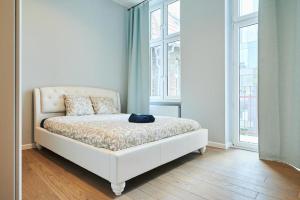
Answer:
(219, 145)
(228, 145)
(28, 146)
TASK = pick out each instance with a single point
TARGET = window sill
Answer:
(165, 102)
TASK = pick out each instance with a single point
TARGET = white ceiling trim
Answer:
(128, 3)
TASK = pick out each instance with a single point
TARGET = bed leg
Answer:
(38, 146)
(202, 150)
(118, 188)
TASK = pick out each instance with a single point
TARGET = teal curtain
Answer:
(139, 65)
(279, 81)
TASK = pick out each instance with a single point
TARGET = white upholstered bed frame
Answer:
(114, 166)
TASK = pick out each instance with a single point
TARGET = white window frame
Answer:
(163, 41)
(238, 23)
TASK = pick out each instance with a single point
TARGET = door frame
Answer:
(239, 22)
(18, 94)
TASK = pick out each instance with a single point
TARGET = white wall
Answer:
(203, 64)
(78, 42)
(7, 102)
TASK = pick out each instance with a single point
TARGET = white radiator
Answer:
(165, 110)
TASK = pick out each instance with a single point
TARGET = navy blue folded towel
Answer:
(141, 118)
(43, 122)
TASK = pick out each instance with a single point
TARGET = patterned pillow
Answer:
(104, 105)
(78, 105)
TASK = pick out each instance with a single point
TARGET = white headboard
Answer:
(49, 101)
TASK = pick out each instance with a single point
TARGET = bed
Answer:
(108, 145)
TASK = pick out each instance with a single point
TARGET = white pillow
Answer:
(103, 105)
(78, 105)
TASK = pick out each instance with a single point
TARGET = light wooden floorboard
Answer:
(216, 175)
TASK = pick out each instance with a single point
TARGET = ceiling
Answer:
(128, 3)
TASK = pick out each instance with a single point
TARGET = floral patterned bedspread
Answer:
(114, 132)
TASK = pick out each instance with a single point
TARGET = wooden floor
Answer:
(219, 174)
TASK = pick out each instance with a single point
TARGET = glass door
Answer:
(245, 20)
(248, 84)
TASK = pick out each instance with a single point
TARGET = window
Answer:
(247, 7)
(174, 17)
(156, 71)
(173, 69)
(165, 54)
(245, 22)
(155, 24)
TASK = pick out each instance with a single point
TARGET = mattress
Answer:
(114, 132)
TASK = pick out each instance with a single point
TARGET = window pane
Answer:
(155, 24)
(156, 71)
(174, 17)
(248, 7)
(174, 62)
(248, 83)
